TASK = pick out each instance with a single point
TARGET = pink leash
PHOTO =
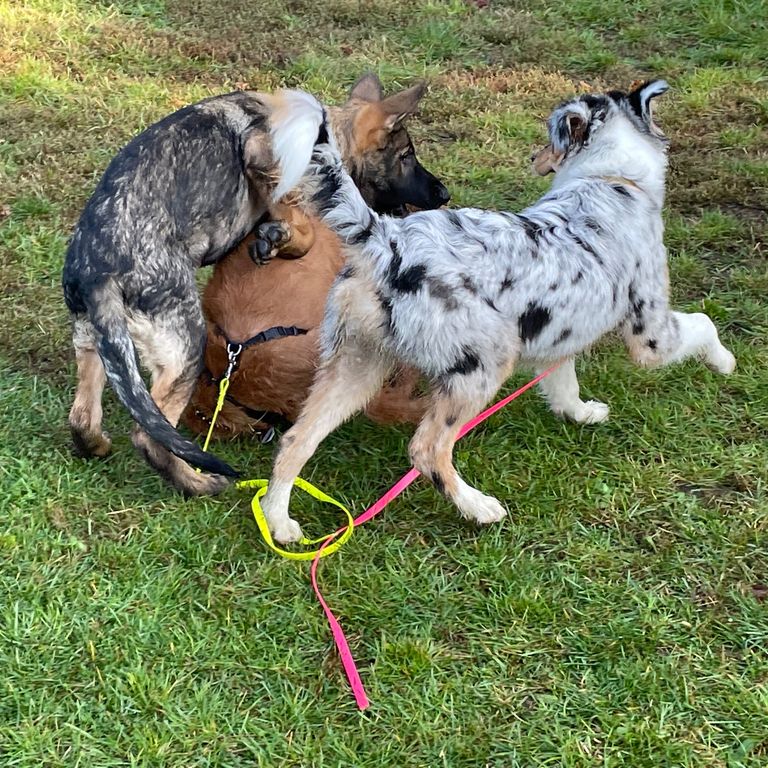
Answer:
(350, 668)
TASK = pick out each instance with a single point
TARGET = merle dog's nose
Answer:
(442, 194)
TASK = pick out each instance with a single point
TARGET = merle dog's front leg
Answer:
(561, 389)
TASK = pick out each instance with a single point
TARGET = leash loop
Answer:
(328, 545)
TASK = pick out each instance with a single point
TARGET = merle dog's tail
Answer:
(106, 311)
(304, 146)
(296, 120)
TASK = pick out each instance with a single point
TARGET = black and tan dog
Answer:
(253, 306)
(177, 197)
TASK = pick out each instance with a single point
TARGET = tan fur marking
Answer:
(620, 180)
(369, 129)
(300, 227)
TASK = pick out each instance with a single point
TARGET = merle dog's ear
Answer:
(399, 105)
(367, 88)
(640, 98)
(568, 127)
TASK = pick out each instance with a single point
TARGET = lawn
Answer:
(617, 617)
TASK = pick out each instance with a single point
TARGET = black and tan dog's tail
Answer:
(117, 352)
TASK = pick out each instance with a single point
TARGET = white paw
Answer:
(722, 361)
(478, 507)
(287, 532)
(487, 510)
(590, 412)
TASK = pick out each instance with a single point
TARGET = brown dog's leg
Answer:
(340, 390)
(399, 402)
(288, 234)
(431, 451)
(85, 416)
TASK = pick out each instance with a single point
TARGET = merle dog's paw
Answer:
(269, 237)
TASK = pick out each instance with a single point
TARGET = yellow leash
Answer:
(233, 352)
(316, 493)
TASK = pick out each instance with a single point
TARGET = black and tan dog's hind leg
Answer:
(85, 416)
(342, 388)
(175, 366)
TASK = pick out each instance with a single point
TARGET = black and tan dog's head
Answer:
(378, 151)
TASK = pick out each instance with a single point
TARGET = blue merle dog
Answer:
(464, 296)
(179, 196)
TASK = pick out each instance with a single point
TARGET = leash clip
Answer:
(233, 352)
(268, 436)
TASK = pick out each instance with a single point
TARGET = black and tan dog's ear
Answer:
(398, 106)
(367, 88)
(568, 127)
(640, 100)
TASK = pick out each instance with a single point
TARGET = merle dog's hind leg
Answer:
(655, 335)
(561, 389)
(454, 402)
(85, 416)
(175, 357)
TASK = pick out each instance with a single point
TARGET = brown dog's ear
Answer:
(398, 106)
(367, 88)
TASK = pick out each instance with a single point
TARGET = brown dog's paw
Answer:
(269, 237)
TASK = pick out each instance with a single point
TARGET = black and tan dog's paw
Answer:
(90, 445)
(269, 237)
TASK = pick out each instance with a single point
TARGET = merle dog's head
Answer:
(378, 151)
(576, 127)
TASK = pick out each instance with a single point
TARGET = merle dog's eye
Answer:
(409, 153)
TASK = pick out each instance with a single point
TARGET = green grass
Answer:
(616, 618)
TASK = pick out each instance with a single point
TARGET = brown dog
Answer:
(244, 301)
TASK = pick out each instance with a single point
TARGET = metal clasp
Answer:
(233, 352)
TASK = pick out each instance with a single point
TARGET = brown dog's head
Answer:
(378, 151)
